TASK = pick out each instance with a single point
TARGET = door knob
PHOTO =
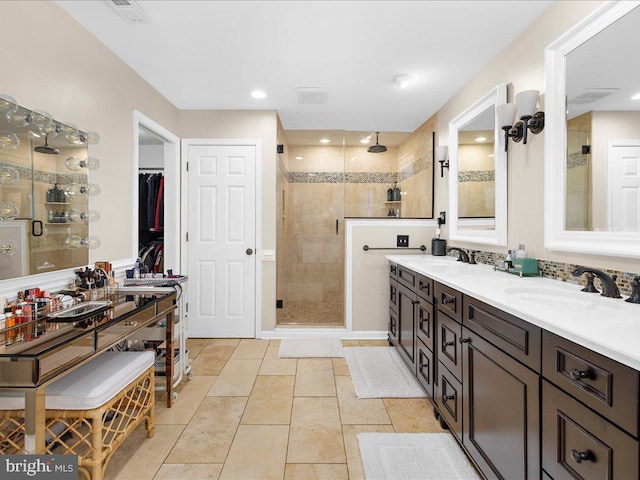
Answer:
(249, 251)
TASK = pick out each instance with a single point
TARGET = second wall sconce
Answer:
(441, 156)
(530, 120)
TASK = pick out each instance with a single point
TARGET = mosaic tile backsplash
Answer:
(559, 270)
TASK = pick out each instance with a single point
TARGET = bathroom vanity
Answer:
(535, 378)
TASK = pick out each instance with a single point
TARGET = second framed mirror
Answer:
(478, 173)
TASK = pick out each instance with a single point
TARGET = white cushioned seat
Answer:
(91, 385)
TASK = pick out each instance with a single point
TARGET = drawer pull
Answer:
(465, 340)
(578, 375)
(447, 301)
(415, 302)
(449, 344)
(423, 286)
(132, 323)
(446, 398)
(423, 366)
(579, 457)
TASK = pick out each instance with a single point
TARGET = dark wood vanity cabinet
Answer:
(407, 301)
(500, 410)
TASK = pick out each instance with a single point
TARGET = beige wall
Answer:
(262, 125)
(52, 63)
(521, 65)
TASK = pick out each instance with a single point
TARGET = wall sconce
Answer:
(529, 119)
(441, 156)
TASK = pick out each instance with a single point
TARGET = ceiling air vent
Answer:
(592, 95)
(312, 95)
(129, 10)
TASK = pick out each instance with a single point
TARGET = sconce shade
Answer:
(506, 114)
(541, 101)
(441, 153)
(526, 102)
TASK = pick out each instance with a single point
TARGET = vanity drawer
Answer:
(425, 368)
(449, 351)
(393, 327)
(393, 270)
(516, 337)
(449, 301)
(393, 294)
(579, 444)
(425, 325)
(448, 399)
(425, 288)
(407, 277)
(605, 385)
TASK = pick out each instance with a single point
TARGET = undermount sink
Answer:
(562, 298)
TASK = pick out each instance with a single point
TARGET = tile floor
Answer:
(246, 414)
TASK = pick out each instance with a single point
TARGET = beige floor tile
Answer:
(196, 345)
(412, 415)
(207, 438)
(211, 360)
(314, 378)
(250, 348)
(139, 457)
(316, 471)
(270, 401)
(224, 342)
(272, 365)
(374, 343)
(189, 471)
(340, 366)
(190, 395)
(236, 378)
(354, 462)
(359, 411)
(315, 435)
(258, 452)
(350, 343)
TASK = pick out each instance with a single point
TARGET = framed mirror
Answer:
(592, 149)
(478, 173)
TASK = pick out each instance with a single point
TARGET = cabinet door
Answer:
(425, 367)
(424, 322)
(393, 294)
(449, 349)
(393, 327)
(579, 444)
(447, 395)
(406, 325)
(501, 411)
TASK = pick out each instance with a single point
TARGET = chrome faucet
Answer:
(462, 255)
(609, 286)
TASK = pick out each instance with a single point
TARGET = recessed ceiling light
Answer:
(636, 97)
(402, 80)
(258, 94)
(299, 158)
(324, 140)
(481, 139)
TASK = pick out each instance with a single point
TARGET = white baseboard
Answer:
(341, 333)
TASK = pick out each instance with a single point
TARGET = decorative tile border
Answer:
(477, 176)
(576, 159)
(559, 270)
(40, 176)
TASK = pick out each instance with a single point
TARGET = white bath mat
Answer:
(310, 347)
(379, 372)
(413, 456)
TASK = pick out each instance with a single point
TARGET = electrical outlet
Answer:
(279, 304)
(403, 241)
(442, 219)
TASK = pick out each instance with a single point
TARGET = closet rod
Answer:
(149, 169)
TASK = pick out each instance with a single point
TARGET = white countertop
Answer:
(608, 326)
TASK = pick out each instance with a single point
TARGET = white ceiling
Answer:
(212, 54)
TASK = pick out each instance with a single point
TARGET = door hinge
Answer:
(187, 236)
(186, 307)
(187, 166)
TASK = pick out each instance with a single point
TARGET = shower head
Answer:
(377, 148)
(46, 148)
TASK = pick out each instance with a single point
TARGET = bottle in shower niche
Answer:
(390, 194)
(396, 193)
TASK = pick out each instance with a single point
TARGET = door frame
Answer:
(171, 191)
(611, 146)
(184, 197)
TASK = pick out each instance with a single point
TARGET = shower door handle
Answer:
(336, 226)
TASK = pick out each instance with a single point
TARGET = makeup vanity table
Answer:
(57, 348)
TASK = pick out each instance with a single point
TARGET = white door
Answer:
(221, 240)
(624, 184)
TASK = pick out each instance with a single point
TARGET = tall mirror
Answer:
(593, 140)
(44, 189)
(477, 173)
